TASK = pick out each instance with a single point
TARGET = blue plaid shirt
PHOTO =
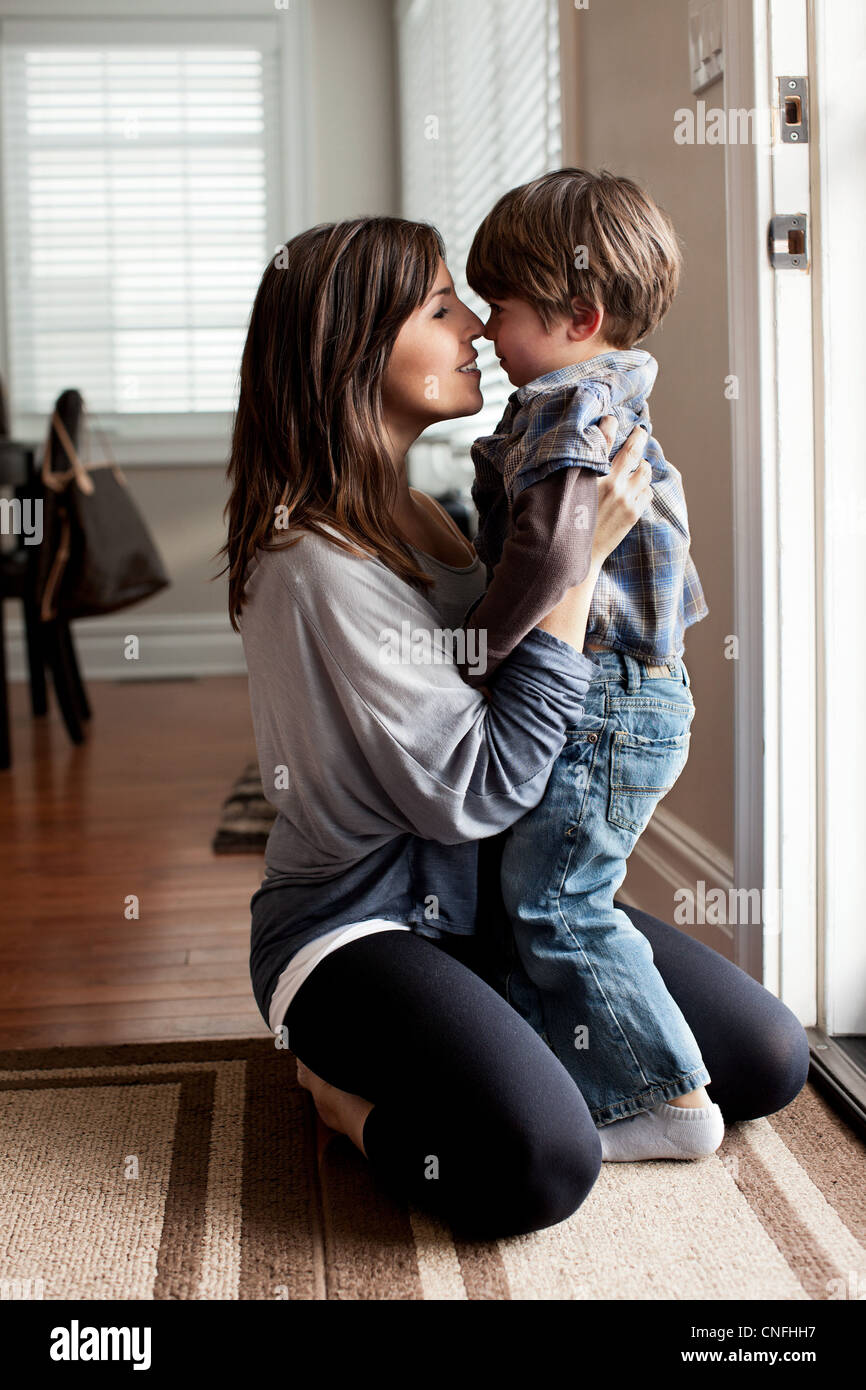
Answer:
(648, 591)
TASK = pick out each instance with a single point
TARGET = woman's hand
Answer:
(623, 494)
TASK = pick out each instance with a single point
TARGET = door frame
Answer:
(773, 479)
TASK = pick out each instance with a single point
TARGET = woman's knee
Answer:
(534, 1181)
(772, 1066)
(560, 1177)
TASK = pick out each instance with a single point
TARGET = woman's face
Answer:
(424, 381)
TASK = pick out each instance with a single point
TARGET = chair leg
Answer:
(5, 745)
(65, 634)
(35, 658)
(64, 685)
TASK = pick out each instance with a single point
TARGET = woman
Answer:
(391, 777)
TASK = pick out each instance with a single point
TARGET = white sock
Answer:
(666, 1131)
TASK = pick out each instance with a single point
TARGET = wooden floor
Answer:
(132, 811)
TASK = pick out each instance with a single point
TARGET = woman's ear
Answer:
(585, 322)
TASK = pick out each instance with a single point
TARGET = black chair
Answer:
(48, 643)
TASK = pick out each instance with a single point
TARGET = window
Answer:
(141, 203)
(480, 113)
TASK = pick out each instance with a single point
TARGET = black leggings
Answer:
(473, 1117)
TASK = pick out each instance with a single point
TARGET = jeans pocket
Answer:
(642, 771)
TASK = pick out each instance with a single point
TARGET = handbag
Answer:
(97, 555)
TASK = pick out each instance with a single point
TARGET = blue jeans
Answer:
(588, 983)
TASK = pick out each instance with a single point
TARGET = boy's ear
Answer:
(585, 322)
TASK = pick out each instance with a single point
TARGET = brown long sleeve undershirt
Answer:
(547, 552)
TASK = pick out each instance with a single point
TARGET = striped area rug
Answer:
(246, 817)
(200, 1171)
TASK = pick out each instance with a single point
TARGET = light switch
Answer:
(706, 57)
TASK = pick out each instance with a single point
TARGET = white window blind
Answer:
(139, 205)
(480, 113)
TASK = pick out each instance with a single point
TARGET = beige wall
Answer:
(632, 75)
(355, 109)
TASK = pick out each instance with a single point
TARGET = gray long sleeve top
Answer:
(384, 775)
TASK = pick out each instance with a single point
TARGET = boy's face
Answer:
(523, 345)
(527, 350)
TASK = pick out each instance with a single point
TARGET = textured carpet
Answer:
(246, 818)
(200, 1170)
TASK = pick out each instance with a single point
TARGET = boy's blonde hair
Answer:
(530, 247)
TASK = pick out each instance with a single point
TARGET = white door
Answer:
(839, 180)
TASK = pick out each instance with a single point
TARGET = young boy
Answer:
(577, 269)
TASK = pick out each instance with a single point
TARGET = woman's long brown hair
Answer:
(308, 434)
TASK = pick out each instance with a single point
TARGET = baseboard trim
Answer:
(170, 647)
